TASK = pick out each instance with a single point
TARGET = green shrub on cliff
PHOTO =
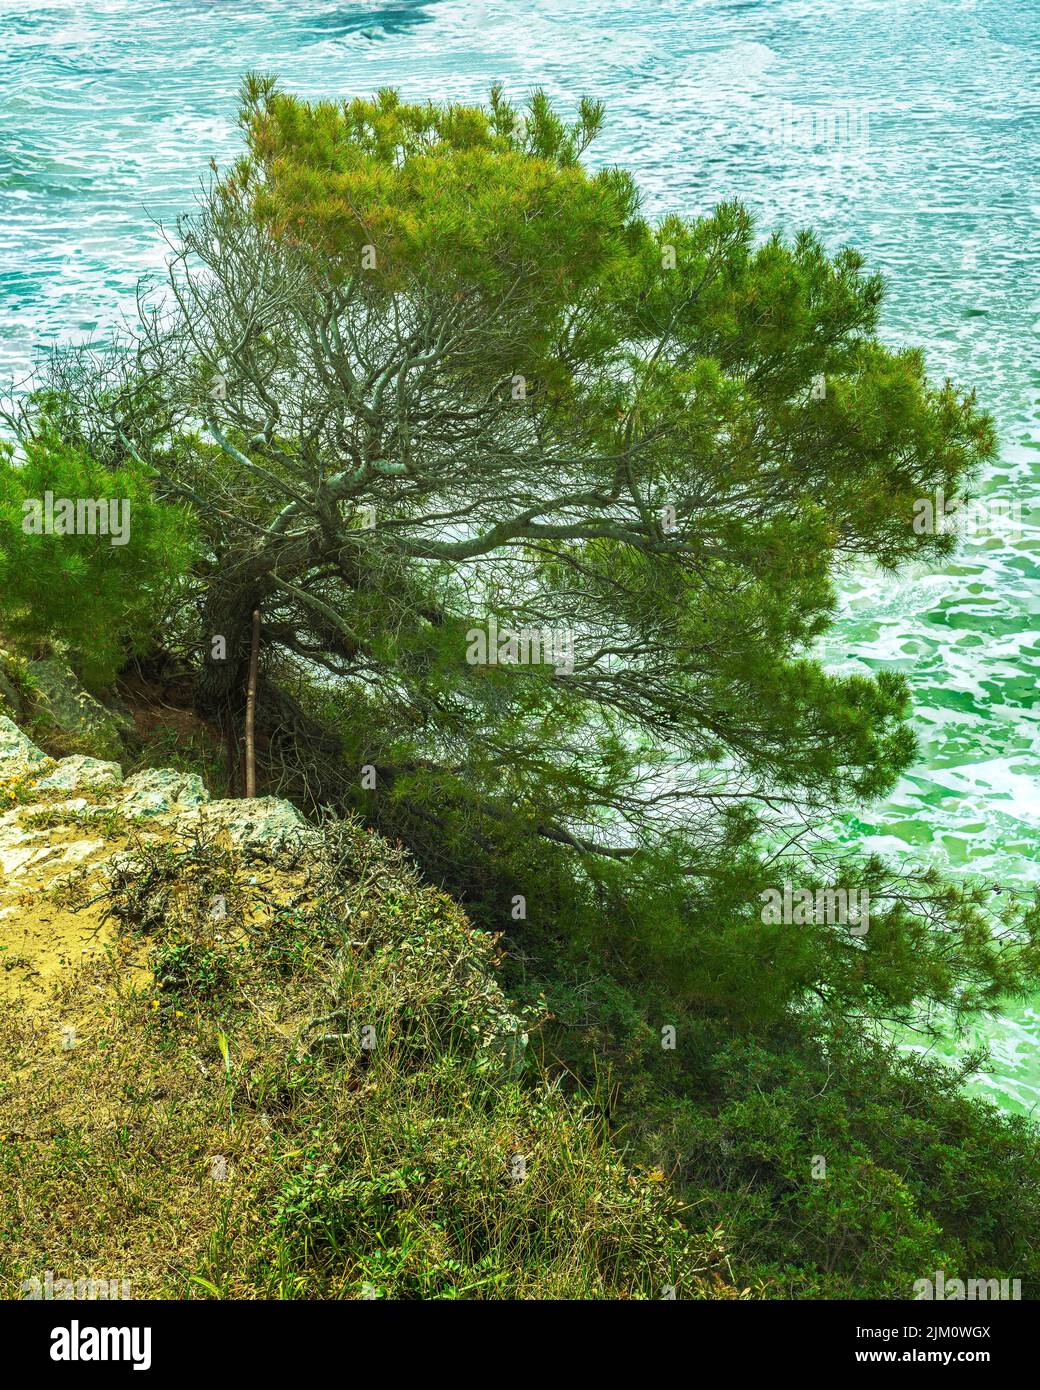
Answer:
(87, 554)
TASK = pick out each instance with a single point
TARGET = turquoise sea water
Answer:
(906, 127)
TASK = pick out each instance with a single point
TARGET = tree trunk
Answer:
(254, 661)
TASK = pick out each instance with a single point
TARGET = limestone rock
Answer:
(161, 792)
(80, 771)
(260, 823)
(17, 752)
(64, 705)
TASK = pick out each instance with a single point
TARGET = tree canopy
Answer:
(543, 505)
(120, 551)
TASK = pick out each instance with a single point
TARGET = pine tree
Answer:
(424, 377)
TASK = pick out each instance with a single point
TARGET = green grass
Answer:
(321, 1093)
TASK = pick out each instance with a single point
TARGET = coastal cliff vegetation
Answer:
(484, 530)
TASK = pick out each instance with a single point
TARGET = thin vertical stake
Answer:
(254, 662)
